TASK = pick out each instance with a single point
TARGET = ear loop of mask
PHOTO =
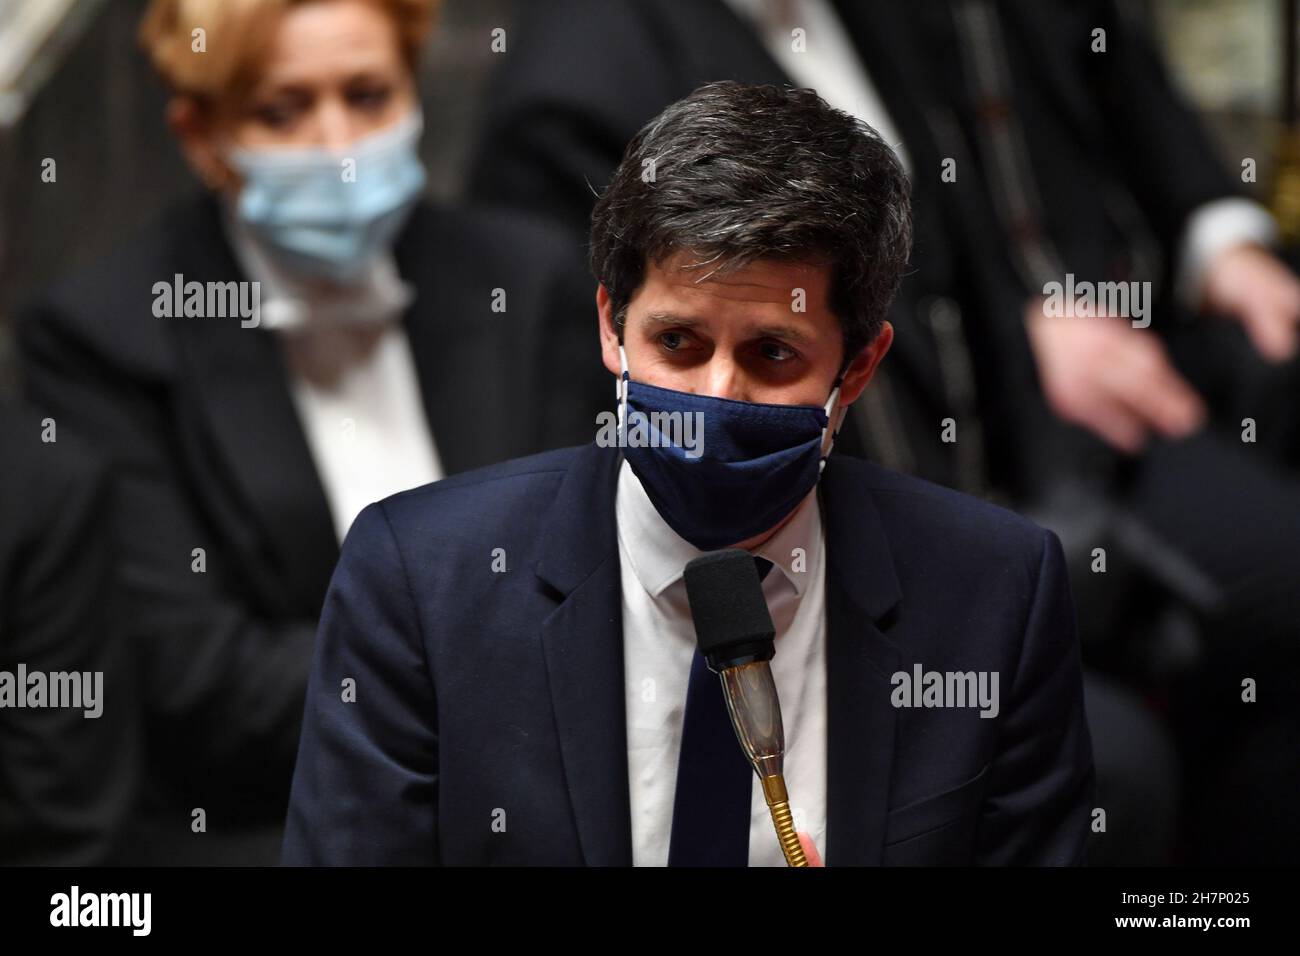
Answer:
(620, 391)
(830, 420)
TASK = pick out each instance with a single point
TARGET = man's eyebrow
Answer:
(671, 318)
(789, 333)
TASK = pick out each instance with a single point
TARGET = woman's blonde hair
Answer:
(223, 60)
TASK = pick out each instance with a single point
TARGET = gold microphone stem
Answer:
(778, 802)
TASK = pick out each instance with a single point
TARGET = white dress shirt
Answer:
(367, 430)
(352, 377)
(659, 645)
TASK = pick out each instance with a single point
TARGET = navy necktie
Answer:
(714, 777)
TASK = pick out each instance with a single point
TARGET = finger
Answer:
(810, 849)
(1168, 404)
(1272, 330)
(1116, 424)
(1152, 389)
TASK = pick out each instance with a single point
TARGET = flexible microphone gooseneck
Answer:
(734, 632)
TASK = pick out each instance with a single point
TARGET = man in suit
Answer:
(505, 671)
(1042, 139)
(242, 447)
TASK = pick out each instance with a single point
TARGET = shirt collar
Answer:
(659, 555)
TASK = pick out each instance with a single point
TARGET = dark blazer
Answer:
(196, 416)
(1118, 162)
(482, 693)
(66, 781)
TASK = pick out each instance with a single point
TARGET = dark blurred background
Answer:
(88, 96)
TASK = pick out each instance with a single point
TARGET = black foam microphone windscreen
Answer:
(727, 603)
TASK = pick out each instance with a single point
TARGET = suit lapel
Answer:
(237, 387)
(582, 644)
(861, 589)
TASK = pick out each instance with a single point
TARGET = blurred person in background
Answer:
(1034, 151)
(362, 341)
(69, 767)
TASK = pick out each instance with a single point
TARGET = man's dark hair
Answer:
(742, 173)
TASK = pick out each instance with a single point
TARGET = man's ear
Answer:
(608, 334)
(860, 371)
(195, 130)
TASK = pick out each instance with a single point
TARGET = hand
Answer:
(1113, 379)
(1247, 283)
(810, 849)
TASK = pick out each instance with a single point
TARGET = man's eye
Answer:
(777, 351)
(672, 341)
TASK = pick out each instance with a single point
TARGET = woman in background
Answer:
(305, 337)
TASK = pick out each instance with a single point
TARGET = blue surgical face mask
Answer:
(720, 471)
(330, 213)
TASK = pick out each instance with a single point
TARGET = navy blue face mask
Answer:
(720, 471)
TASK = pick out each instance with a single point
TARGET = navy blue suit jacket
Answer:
(488, 721)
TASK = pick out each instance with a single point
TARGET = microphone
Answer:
(734, 633)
